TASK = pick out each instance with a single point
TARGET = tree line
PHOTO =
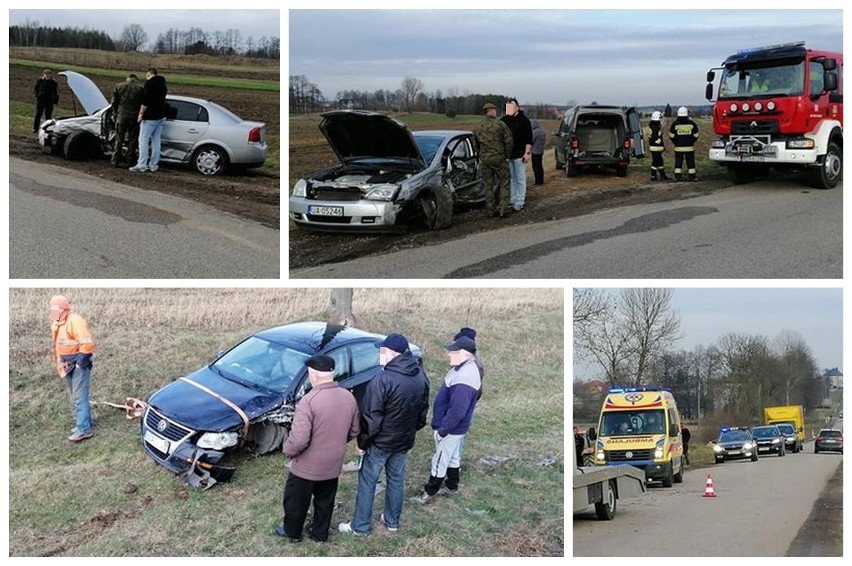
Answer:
(134, 38)
(629, 337)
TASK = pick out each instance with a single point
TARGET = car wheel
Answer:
(267, 436)
(436, 206)
(816, 450)
(621, 171)
(559, 164)
(720, 460)
(668, 481)
(606, 508)
(79, 146)
(781, 451)
(210, 160)
(828, 174)
(570, 170)
(754, 457)
(678, 477)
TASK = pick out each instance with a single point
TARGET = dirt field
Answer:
(559, 197)
(253, 194)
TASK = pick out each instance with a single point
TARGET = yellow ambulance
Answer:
(640, 426)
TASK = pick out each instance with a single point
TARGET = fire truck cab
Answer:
(779, 106)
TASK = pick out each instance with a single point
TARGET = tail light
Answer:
(575, 144)
(254, 135)
(628, 143)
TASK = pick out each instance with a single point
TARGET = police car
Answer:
(733, 443)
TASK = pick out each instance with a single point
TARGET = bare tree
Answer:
(340, 306)
(600, 335)
(133, 37)
(796, 364)
(652, 325)
(411, 87)
(589, 305)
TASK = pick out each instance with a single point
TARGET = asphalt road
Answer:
(771, 229)
(759, 509)
(67, 224)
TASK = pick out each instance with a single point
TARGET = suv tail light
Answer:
(574, 143)
(628, 143)
(254, 135)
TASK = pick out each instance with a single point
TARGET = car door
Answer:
(634, 126)
(363, 367)
(463, 169)
(185, 126)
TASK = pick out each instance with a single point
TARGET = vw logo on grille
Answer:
(629, 455)
(162, 425)
(633, 397)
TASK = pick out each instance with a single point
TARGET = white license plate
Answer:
(160, 444)
(735, 452)
(752, 158)
(325, 210)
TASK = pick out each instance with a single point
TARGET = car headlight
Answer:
(718, 448)
(805, 143)
(658, 452)
(747, 446)
(300, 189)
(217, 440)
(776, 440)
(382, 192)
(600, 456)
(718, 144)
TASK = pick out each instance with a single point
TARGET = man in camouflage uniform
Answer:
(495, 145)
(126, 100)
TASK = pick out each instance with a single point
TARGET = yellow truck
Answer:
(640, 427)
(791, 416)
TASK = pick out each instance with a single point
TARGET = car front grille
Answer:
(346, 195)
(621, 455)
(752, 127)
(172, 431)
(329, 219)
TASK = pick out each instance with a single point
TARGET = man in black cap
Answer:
(452, 414)
(395, 407)
(325, 420)
(471, 333)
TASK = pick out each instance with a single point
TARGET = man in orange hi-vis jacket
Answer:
(73, 348)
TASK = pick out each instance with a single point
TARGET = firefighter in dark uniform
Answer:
(126, 100)
(655, 145)
(47, 96)
(495, 146)
(684, 133)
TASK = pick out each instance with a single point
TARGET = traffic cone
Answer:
(708, 487)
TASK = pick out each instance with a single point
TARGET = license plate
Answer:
(735, 452)
(830, 441)
(325, 210)
(160, 444)
(752, 158)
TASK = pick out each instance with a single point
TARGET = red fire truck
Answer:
(779, 106)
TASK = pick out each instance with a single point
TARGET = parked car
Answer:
(793, 442)
(247, 396)
(829, 439)
(598, 137)
(734, 443)
(388, 177)
(199, 132)
(769, 439)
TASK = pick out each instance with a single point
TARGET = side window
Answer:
(365, 356)
(817, 83)
(341, 363)
(188, 111)
(673, 419)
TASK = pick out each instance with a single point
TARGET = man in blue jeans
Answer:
(394, 408)
(152, 118)
(72, 351)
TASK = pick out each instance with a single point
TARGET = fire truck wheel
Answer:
(827, 176)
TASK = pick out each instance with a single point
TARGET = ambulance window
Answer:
(673, 418)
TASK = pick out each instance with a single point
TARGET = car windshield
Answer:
(733, 436)
(786, 429)
(428, 145)
(764, 432)
(261, 363)
(766, 78)
(624, 423)
(830, 433)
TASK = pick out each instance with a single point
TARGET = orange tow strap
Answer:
(225, 401)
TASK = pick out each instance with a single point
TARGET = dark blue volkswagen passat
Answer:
(247, 396)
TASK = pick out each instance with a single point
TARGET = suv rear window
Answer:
(830, 433)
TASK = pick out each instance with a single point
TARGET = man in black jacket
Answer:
(152, 118)
(46, 95)
(394, 408)
(522, 138)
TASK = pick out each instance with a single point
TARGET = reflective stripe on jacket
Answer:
(71, 337)
(683, 133)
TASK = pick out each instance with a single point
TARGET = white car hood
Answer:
(86, 91)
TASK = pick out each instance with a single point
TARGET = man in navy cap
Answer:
(395, 407)
(325, 420)
(452, 414)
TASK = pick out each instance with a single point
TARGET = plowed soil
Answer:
(252, 193)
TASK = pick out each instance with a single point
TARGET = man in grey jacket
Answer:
(325, 420)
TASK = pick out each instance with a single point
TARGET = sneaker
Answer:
(421, 498)
(347, 528)
(153, 168)
(385, 523)
(78, 436)
(447, 492)
(137, 169)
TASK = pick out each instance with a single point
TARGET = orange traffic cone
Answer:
(708, 487)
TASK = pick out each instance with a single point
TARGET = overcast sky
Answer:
(707, 314)
(639, 57)
(255, 23)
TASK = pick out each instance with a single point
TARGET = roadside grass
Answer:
(106, 498)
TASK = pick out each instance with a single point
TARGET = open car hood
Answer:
(355, 134)
(86, 91)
